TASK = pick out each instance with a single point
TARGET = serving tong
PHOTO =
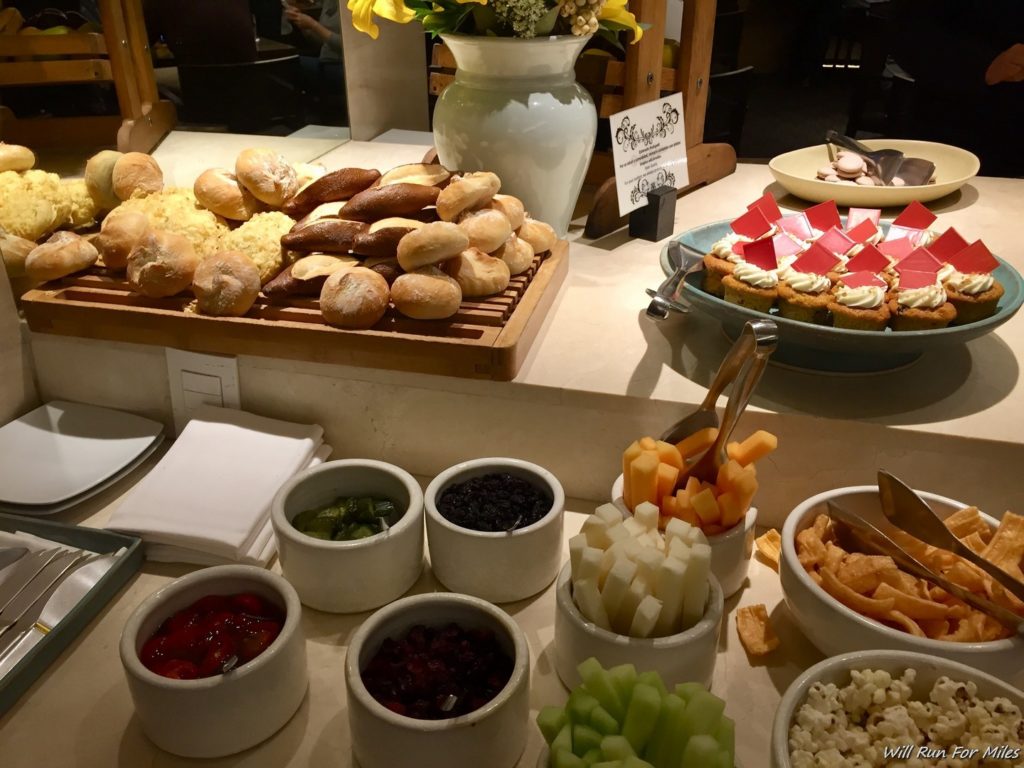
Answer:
(666, 299)
(886, 164)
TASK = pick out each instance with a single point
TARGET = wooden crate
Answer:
(487, 339)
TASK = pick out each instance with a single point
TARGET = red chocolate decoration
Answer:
(910, 280)
(786, 245)
(896, 249)
(948, 244)
(900, 233)
(761, 253)
(915, 216)
(767, 205)
(835, 241)
(862, 279)
(869, 259)
(797, 225)
(857, 215)
(823, 216)
(862, 231)
(816, 260)
(751, 224)
(918, 260)
(975, 259)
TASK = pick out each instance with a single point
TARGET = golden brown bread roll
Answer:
(267, 175)
(393, 200)
(538, 234)
(307, 275)
(14, 157)
(429, 175)
(354, 298)
(99, 178)
(218, 190)
(120, 233)
(382, 237)
(426, 294)
(63, 254)
(466, 193)
(385, 266)
(330, 188)
(431, 244)
(326, 235)
(226, 284)
(13, 251)
(517, 253)
(306, 174)
(478, 274)
(162, 264)
(487, 229)
(136, 174)
(512, 207)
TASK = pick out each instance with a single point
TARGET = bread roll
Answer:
(431, 244)
(325, 235)
(14, 157)
(226, 284)
(487, 229)
(466, 193)
(99, 178)
(538, 234)
(136, 173)
(478, 274)
(383, 236)
(385, 266)
(307, 275)
(512, 207)
(307, 173)
(330, 188)
(63, 254)
(13, 251)
(323, 211)
(517, 253)
(426, 294)
(120, 233)
(429, 175)
(354, 298)
(393, 200)
(267, 175)
(218, 190)
(162, 264)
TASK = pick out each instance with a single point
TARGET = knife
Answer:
(36, 624)
(9, 555)
(24, 572)
(27, 597)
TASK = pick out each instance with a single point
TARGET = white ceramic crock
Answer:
(687, 656)
(493, 736)
(835, 629)
(498, 567)
(225, 714)
(516, 109)
(350, 576)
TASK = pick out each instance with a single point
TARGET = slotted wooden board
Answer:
(487, 339)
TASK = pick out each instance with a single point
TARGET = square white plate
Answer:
(61, 450)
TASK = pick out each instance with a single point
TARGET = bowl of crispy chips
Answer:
(850, 601)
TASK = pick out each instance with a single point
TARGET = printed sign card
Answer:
(649, 150)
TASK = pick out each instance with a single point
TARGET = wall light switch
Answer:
(196, 380)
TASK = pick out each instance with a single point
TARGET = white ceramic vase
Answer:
(516, 109)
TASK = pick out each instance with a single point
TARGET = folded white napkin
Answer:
(208, 500)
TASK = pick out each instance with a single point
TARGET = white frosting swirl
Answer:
(971, 284)
(854, 250)
(927, 237)
(945, 272)
(755, 276)
(723, 248)
(806, 282)
(875, 239)
(864, 297)
(929, 297)
(786, 261)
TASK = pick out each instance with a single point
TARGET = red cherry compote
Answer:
(197, 641)
(437, 673)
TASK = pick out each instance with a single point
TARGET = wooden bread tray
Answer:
(487, 339)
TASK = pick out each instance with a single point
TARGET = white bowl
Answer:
(493, 736)
(350, 576)
(687, 656)
(836, 629)
(498, 567)
(225, 714)
(837, 670)
(730, 550)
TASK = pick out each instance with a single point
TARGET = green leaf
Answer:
(485, 19)
(546, 23)
(610, 36)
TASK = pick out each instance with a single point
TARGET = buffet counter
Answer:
(601, 373)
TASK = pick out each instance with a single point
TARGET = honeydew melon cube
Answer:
(623, 620)
(609, 513)
(563, 740)
(551, 720)
(617, 532)
(595, 530)
(564, 759)
(616, 584)
(670, 588)
(725, 735)
(580, 705)
(599, 685)
(724, 760)
(635, 762)
(646, 617)
(647, 564)
(577, 544)
(589, 566)
(608, 764)
(634, 526)
(703, 713)
(602, 722)
(624, 679)
(658, 750)
(593, 756)
(686, 691)
(588, 599)
(701, 751)
(696, 593)
(617, 747)
(641, 716)
(647, 515)
(654, 680)
(584, 739)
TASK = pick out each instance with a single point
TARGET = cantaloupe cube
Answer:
(745, 484)
(687, 514)
(727, 474)
(697, 443)
(628, 455)
(713, 530)
(692, 487)
(706, 507)
(648, 443)
(667, 477)
(644, 479)
(705, 486)
(668, 510)
(755, 447)
(669, 454)
(732, 509)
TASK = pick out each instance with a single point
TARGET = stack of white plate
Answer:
(63, 453)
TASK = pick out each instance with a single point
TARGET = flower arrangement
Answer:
(502, 18)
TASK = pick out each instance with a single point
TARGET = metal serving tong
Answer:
(667, 299)
(909, 512)
(887, 164)
(854, 533)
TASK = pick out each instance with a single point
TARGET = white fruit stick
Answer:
(632, 549)
(609, 513)
(588, 600)
(677, 529)
(647, 515)
(646, 617)
(616, 585)
(634, 526)
(679, 549)
(617, 533)
(576, 546)
(637, 591)
(696, 593)
(647, 564)
(698, 536)
(670, 588)
(590, 564)
(596, 531)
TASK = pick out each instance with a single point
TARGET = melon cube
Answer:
(617, 533)
(617, 747)
(646, 617)
(755, 447)
(596, 531)
(609, 513)
(677, 529)
(644, 478)
(727, 474)
(641, 716)
(602, 722)
(648, 443)
(703, 713)
(580, 705)
(746, 485)
(669, 454)
(667, 478)
(697, 443)
(668, 510)
(701, 751)
(634, 526)
(693, 487)
(628, 455)
(599, 685)
(563, 740)
(551, 720)
(584, 739)
(732, 509)
(647, 515)
(706, 507)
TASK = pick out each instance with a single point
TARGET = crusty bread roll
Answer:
(218, 190)
(385, 266)
(478, 274)
(383, 236)
(307, 173)
(487, 229)
(466, 193)
(99, 178)
(13, 251)
(267, 175)
(120, 233)
(397, 199)
(354, 298)
(14, 157)
(226, 284)
(429, 175)
(512, 207)
(431, 244)
(162, 264)
(307, 275)
(325, 235)
(136, 174)
(323, 211)
(330, 188)
(63, 254)
(538, 234)
(517, 253)
(426, 294)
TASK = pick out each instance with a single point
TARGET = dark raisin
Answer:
(494, 502)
